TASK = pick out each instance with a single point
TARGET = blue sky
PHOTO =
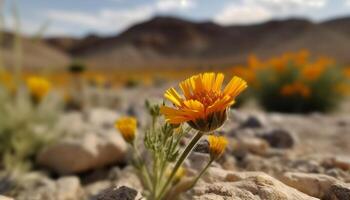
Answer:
(105, 17)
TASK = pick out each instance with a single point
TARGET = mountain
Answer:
(172, 42)
(35, 53)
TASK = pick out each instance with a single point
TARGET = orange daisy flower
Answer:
(203, 105)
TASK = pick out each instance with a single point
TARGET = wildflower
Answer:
(178, 175)
(38, 87)
(346, 72)
(127, 127)
(296, 88)
(254, 62)
(7, 81)
(301, 57)
(204, 106)
(217, 145)
(313, 72)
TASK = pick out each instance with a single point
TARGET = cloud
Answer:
(115, 20)
(242, 14)
(347, 2)
(254, 11)
(168, 5)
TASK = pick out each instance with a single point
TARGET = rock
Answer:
(202, 146)
(69, 188)
(338, 191)
(305, 165)
(248, 186)
(338, 174)
(86, 152)
(197, 161)
(102, 118)
(6, 183)
(121, 193)
(255, 121)
(280, 138)
(253, 145)
(257, 163)
(316, 185)
(342, 162)
(5, 198)
(65, 188)
(94, 189)
(128, 177)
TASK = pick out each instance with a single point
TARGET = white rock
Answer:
(254, 145)
(65, 188)
(88, 151)
(5, 198)
(248, 186)
(316, 185)
(102, 118)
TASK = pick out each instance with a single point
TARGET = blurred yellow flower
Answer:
(6, 80)
(127, 127)
(217, 146)
(179, 174)
(38, 87)
(204, 104)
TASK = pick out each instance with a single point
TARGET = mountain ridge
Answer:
(174, 42)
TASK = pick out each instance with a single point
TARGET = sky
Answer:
(107, 17)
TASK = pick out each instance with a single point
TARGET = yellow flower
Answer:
(204, 104)
(127, 127)
(6, 80)
(38, 87)
(217, 145)
(179, 174)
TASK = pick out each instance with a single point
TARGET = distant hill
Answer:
(173, 42)
(35, 53)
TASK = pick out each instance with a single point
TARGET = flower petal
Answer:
(235, 87)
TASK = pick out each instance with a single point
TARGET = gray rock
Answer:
(121, 193)
(280, 138)
(339, 191)
(255, 121)
(202, 147)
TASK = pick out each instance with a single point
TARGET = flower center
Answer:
(207, 98)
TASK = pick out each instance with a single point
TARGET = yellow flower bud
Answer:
(217, 145)
(127, 127)
(38, 87)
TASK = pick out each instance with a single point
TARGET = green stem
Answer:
(201, 173)
(180, 161)
(144, 171)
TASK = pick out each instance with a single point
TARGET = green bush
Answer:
(25, 127)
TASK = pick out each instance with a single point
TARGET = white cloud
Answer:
(242, 14)
(111, 20)
(254, 11)
(347, 2)
(168, 5)
(292, 4)
(105, 20)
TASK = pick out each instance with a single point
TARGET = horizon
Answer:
(100, 18)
